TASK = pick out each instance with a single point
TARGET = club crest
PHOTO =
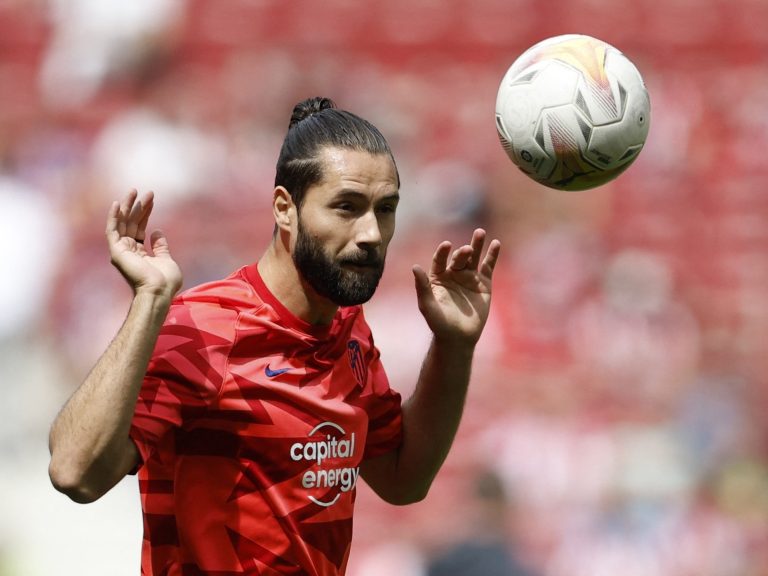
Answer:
(357, 362)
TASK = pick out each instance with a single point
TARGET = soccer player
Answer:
(251, 406)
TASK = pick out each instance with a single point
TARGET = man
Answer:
(250, 406)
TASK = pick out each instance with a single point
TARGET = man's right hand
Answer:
(148, 268)
(90, 443)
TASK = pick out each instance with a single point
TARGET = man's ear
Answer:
(283, 208)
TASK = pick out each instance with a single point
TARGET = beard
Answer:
(329, 278)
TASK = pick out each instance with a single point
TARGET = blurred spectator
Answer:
(27, 221)
(548, 275)
(635, 344)
(93, 41)
(487, 549)
(165, 142)
(449, 193)
(34, 240)
(712, 421)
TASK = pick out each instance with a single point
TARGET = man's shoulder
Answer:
(232, 293)
(215, 303)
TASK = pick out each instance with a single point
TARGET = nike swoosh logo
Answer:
(272, 373)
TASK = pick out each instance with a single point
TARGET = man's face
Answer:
(345, 225)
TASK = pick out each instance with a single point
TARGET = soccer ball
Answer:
(572, 112)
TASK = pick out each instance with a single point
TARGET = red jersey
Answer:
(251, 425)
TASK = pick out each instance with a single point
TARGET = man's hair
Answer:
(317, 123)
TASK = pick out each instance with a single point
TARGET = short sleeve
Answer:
(185, 374)
(385, 420)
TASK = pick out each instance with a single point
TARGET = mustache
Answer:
(364, 258)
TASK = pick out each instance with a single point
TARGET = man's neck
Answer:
(280, 275)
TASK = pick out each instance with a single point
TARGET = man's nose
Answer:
(367, 229)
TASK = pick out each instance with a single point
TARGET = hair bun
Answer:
(309, 107)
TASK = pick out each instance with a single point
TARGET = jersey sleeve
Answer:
(185, 374)
(385, 429)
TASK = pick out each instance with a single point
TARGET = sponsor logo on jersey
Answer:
(327, 448)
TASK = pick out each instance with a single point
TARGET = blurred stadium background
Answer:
(620, 389)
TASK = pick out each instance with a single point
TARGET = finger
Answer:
(440, 258)
(421, 279)
(135, 216)
(423, 291)
(147, 205)
(460, 258)
(125, 209)
(159, 244)
(491, 257)
(477, 242)
(112, 216)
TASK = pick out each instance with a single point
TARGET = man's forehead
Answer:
(357, 166)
